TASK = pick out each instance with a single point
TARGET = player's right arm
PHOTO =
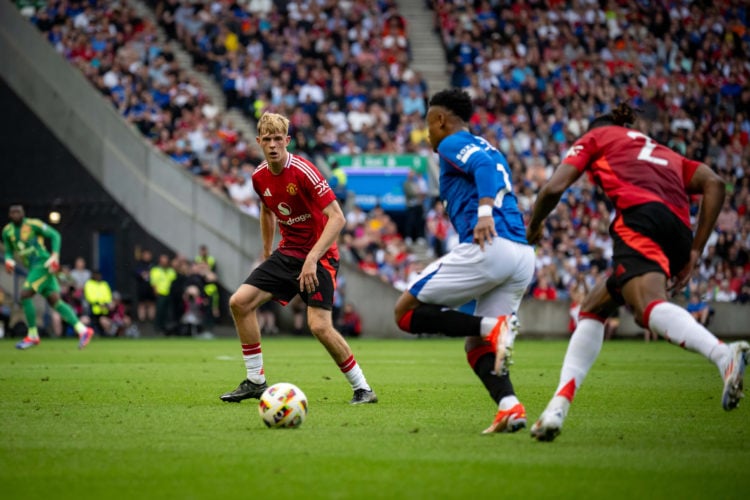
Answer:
(548, 197)
(10, 264)
(706, 182)
(267, 229)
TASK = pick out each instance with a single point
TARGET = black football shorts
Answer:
(278, 276)
(647, 238)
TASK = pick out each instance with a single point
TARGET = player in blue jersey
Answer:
(474, 290)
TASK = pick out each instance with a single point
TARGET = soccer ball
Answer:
(283, 405)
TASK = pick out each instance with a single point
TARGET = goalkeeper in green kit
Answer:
(25, 237)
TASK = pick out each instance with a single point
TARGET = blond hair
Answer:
(272, 123)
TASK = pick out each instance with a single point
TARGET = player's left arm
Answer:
(706, 182)
(308, 278)
(53, 235)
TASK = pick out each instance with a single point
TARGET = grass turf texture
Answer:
(142, 419)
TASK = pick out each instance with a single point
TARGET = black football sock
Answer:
(498, 386)
(429, 318)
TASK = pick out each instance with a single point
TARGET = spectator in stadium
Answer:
(204, 257)
(543, 289)
(268, 318)
(415, 193)
(207, 272)
(699, 309)
(242, 193)
(439, 229)
(25, 238)
(98, 296)
(121, 319)
(177, 303)
(80, 274)
(351, 321)
(654, 249)
(724, 292)
(161, 277)
(145, 296)
(491, 266)
(193, 310)
(338, 183)
(305, 263)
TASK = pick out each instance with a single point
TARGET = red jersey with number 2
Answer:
(633, 169)
(297, 196)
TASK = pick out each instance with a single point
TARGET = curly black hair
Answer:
(457, 101)
(622, 115)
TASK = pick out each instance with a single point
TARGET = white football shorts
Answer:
(487, 282)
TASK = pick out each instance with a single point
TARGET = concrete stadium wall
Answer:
(545, 319)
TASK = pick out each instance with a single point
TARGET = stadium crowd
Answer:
(538, 72)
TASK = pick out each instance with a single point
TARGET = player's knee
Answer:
(319, 328)
(403, 319)
(239, 303)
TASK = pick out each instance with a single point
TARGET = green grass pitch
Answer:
(142, 419)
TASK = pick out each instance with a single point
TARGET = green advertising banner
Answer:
(378, 179)
(415, 162)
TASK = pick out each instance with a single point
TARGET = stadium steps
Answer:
(427, 53)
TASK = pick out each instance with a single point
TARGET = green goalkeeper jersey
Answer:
(26, 241)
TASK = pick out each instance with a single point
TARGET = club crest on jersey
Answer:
(284, 209)
(291, 188)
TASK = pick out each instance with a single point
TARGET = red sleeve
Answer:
(580, 153)
(321, 193)
(688, 169)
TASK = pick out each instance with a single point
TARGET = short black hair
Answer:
(457, 101)
(622, 115)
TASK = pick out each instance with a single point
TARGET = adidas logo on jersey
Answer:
(267, 192)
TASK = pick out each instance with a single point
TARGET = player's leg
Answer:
(243, 305)
(85, 333)
(29, 311)
(320, 322)
(511, 414)
(646, 294)
(583, 349)
(490, 362)
(415, 316)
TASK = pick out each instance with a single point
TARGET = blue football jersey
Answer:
(470, 169)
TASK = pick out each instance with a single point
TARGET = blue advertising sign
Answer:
(378, 186)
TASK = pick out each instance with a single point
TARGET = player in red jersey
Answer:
(294, 194)
(655, 251)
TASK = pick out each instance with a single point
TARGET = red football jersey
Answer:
(297, 196)
(633, 169)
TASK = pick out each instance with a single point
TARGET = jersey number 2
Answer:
(647, 149)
